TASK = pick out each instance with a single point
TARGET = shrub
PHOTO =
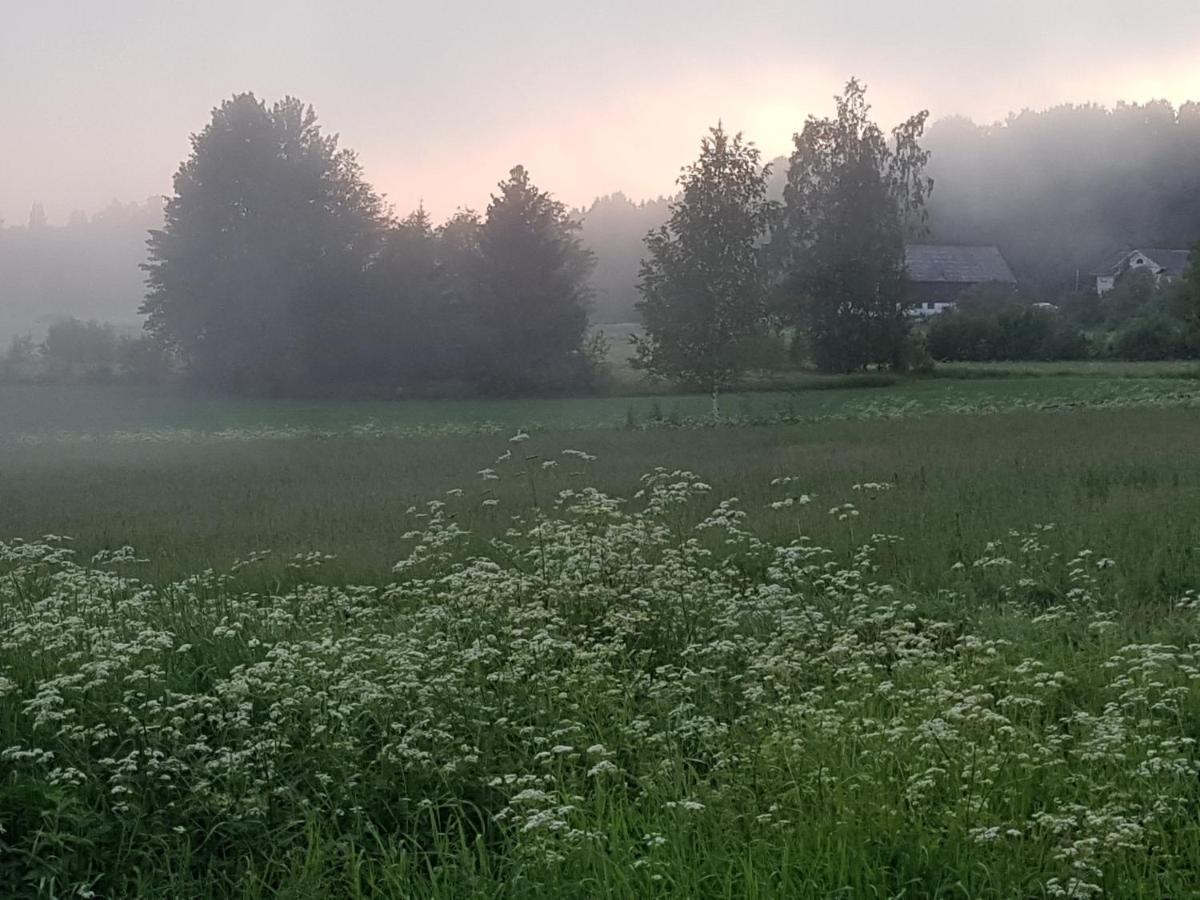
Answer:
(74, 349)
(956, 337)
(1135, 295)
(1009, 333)
(1149, 338)
(85, 352)
(142, 359)
(20, 363)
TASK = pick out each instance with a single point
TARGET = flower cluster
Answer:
(634, 693)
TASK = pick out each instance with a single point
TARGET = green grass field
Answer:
(31, 414)
(1096, 368)
(937, 638)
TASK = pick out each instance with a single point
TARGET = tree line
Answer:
(83, 352)
(86, 268)
(826, 264)
(1059, 191)
(817, 254)
(279, 269)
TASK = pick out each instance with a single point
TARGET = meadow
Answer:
(937, 638)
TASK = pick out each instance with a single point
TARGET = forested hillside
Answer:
(87, 268)
(1060, 190)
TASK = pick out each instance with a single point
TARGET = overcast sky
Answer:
(440, 99)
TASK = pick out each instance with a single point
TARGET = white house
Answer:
(1166, 265)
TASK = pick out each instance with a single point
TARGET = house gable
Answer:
(1161, 263)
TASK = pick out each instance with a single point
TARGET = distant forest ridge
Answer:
(1057, 191)
(88, 268)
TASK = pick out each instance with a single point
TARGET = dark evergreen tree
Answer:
(703, 283)
(458, 259)
(405, 328)
(529, 311)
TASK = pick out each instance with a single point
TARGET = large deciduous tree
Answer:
(703, 283)
(852, 198)
(257, 276)
(529, 282)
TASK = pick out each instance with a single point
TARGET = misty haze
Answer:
(526, 450)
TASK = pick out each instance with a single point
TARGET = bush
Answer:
(20, 363)
(988, 299)
(142, 359)
(77, 350)
(1136, 295)
(1150, 338)
(766, 350)
(1191, 342)
(84, 352)
(1083, 309)
(1009, 333)
(916, 357)
(957, 337)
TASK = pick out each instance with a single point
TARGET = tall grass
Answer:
(1127, 479)
(930, 652)
(38, 415)
(624, 697)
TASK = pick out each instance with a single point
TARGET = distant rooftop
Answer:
(956, 264)
(1168, 262)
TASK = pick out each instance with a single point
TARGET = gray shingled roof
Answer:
(956, 264)
(1172, 262)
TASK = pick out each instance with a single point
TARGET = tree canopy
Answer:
(704, 281)
(531, 294)
(277, 268)
(851, 199)
(256, 272)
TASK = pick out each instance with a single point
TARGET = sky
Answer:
(440, 100)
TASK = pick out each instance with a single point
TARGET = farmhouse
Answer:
(939, 274)
(1165, 265)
